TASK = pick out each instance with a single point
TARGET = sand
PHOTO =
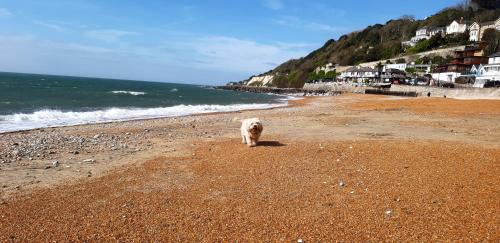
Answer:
(346, 168)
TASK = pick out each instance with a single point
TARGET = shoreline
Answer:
(286, 103)
(191, 170)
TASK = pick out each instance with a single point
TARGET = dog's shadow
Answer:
(270, 144)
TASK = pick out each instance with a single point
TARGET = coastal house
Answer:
(424, 33)
(462, 63)
(421, 34)
(456, 27)
(490, 75)
(391, 75)
(474, 30)
(359, 74)
(329, 67)
(399, 66)
(437, 31)
(477, 29)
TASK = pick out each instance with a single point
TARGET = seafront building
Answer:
(463, 61)
(359, 74)
(488, 74)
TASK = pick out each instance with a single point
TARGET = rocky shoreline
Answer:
(281, 91)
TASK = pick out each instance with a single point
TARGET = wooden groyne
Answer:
(389, 92)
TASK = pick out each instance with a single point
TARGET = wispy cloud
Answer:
(109, 35)
(48, 25)
(4, 12)
(223, 52)
(274, 4)
(294, 22)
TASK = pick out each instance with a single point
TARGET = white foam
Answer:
(55, 118)
(128, 92)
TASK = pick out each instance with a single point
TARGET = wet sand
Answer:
(346, 168)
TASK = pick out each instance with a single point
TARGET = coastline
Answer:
(342, 138)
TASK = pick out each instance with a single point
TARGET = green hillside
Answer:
(383, 41)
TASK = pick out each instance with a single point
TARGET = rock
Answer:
(15, 153)
(97, 136)
(300, 241)
(146, 130)
(76, 152)
(55, 163)
(388, 212)
(89, 161)
(341, 183)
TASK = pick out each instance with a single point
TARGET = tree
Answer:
(411, 71)
(492, 37)
(437, 60)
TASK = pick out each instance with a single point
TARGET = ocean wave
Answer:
(128, 92)
(55, 118)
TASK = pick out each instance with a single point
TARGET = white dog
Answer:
(251, 130)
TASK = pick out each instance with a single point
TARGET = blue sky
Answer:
(203, 42)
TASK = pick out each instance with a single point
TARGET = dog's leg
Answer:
(244, 139)
(253, 142)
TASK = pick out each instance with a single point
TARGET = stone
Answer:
(341, 183)
(55, 163)
(97, 136)
(388, 212)
(89, 160)
(15, 153)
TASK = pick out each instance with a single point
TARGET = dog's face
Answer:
(255, 127)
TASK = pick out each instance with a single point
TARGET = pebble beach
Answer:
(342, 168)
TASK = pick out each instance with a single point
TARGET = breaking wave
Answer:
(54, 118)
(128, 92)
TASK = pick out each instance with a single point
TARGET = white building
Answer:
(477, 29)
(437, 31)
(359, 74)
(491, 71)
(421, 34)
(399, 66)
(456, 27)
(329, 67)
(474, 31)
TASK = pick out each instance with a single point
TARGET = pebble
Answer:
(341, 183)
(97, 136)
(55, 163)
(89, 160)
(388, 212)
(300, 241)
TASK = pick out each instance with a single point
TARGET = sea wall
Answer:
(463, 93)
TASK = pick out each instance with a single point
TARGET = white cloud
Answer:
(294, 22)
(4, 12)
(109, 35)
(222, 52)
(50, 26)
(274, 4)
(190, 58)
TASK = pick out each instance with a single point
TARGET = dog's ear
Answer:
(260, 127)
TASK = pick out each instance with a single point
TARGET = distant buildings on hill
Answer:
(476, 31)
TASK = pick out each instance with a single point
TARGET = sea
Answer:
(29, 101)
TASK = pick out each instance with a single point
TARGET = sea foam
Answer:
(55, 118)
(128, 92)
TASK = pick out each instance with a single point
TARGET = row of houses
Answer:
(467, 66)
(476, 30)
